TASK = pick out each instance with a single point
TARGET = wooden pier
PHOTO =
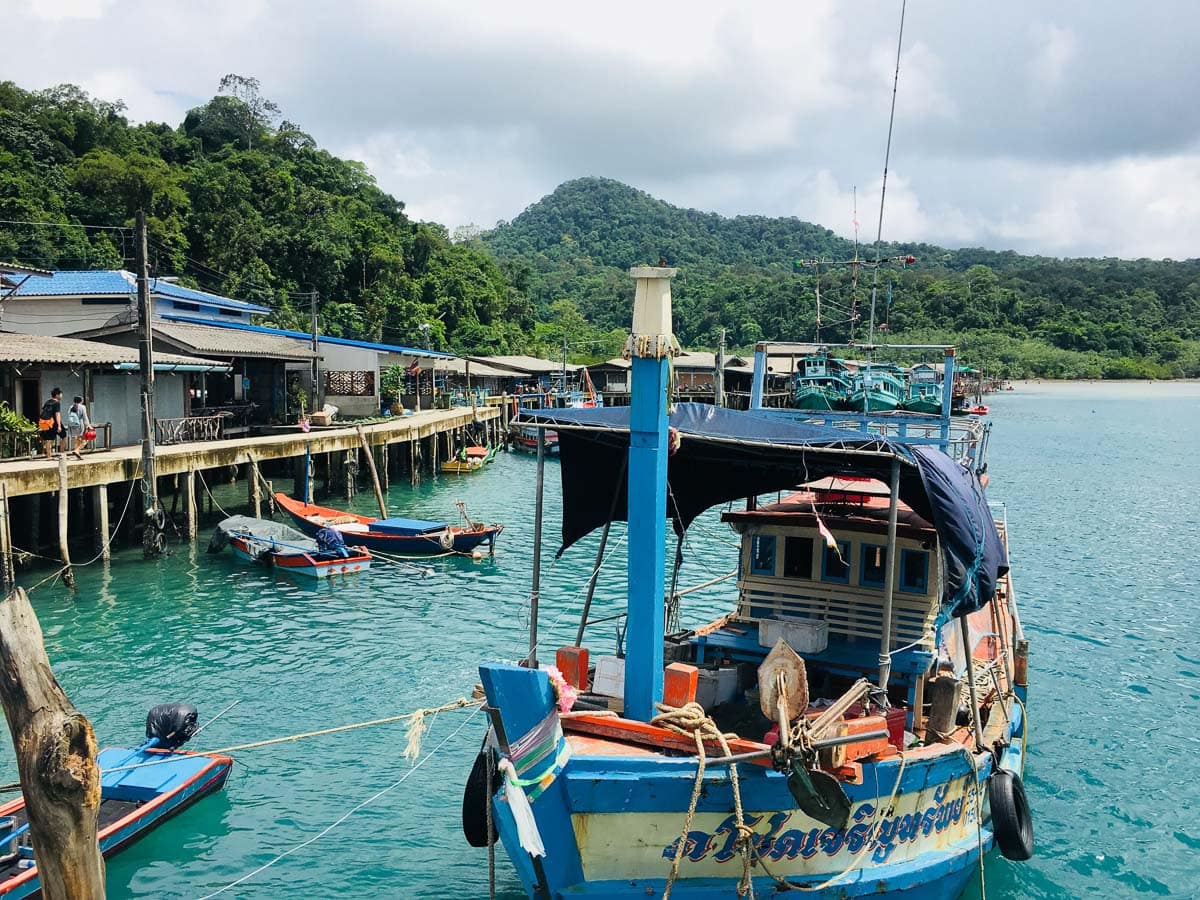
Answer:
(75, 492)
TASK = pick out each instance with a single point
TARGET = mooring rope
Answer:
(692, 721)
(328, 828)
(410, 752)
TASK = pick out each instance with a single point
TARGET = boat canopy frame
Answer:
(720, 455)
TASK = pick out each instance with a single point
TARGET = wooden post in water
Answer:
(362, 439)
(100, 519)
(255, 487)
(56, 758)
(382, 451)
(7, 571)
(192, 514)
(63, 519)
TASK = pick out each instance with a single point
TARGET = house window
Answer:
(798, 558)
(230, 312)
(350, 384)
(762, 554)
(914, 571)
(835, 563)
(189, 307)
(874, 565)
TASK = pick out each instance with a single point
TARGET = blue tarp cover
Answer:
(727, 455)
(398, 525)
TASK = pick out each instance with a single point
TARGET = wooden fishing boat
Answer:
(469, 459)
(270, 543)
(526, 437)
(395, 534)
(869, 611)
(923, 398)
(875, 387)
(821, 383)
(140, 788)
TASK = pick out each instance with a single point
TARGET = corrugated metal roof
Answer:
(529, 365)
(33, 348)
(454, 365)
(225, 342)
(117, 282)
(323, 339)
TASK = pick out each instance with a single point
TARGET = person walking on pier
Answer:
(50, 424)
(78, 424)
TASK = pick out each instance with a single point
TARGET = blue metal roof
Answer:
(302, 336)
(110, 282)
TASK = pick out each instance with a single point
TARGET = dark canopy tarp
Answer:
(727, 455)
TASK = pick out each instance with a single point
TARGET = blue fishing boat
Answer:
(140, 788)
(872, 665)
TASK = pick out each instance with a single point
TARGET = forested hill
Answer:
(1028, 315)
(242, 202)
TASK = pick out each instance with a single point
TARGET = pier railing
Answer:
(16, 445)
(190, 428)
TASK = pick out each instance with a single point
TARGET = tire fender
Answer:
(1012, 822)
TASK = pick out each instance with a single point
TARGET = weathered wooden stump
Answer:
(56, 757)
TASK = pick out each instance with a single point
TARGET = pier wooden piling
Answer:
(55, 749)
(362, 437)
(7, 569)
(64, 513)
(192, 524)
(100, 520)
(253, 476)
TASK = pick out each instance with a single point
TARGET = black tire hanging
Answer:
(475, 800)
(1012, 822)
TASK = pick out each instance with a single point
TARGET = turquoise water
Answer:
(1105, 530)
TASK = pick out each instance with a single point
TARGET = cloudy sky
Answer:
(1066, 128)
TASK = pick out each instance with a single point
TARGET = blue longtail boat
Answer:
(873, 665)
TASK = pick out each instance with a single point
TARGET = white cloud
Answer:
(58, 10)
(469, 112)
(1054, 50)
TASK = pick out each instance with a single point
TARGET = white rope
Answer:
(395, 784)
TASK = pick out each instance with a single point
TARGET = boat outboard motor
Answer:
(329, 540)
(173, 724)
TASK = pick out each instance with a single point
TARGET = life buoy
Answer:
(475, 800)
(446, 539)
(1011, 820)
(160, 543)
(159, 518)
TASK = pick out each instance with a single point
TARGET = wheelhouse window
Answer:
(874, 565)
(914, 571)
(762, 554)
(798, 558)
(835, 563)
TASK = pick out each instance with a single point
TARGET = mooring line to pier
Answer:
(417, 716)
(328, 828)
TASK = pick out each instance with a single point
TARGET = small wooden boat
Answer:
(525, 437)
(394, 534)
(270, 543)
(979, 409)
(822, 384)
(140, 788)
(469, 459)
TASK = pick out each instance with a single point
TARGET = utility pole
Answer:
(719, 374)
(564, 368)
(153, 543)
(314, 371)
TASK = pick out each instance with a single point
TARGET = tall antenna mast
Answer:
(886, 159)
(854, 271)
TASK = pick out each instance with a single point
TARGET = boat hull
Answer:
(817, 400)
(140, 808)
(875, 402)
(923, 405)
(460, 540)
(301, 563)
(610, 813)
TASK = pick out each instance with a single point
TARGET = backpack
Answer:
(73, 420)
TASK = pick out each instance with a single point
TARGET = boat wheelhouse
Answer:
(873, 607)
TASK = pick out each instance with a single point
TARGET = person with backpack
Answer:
(78, 424)
(50, 423)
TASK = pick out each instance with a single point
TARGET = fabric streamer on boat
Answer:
(721, 457)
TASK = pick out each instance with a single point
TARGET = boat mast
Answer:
(886, 158)
(650, 347)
